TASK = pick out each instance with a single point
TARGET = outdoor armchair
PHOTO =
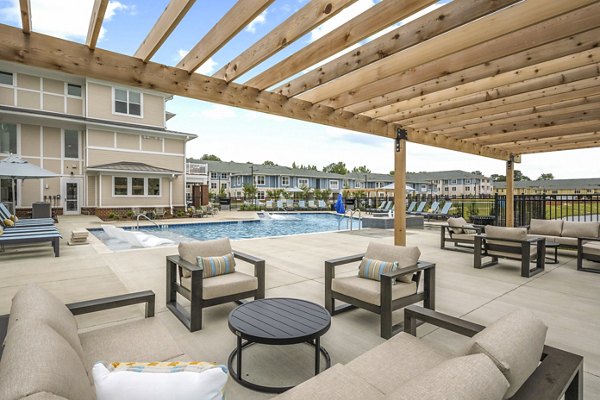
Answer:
(185, 277)
(588, 249)
(460, 233)
(510, 243)
(395, 290)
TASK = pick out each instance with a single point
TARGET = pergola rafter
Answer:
(25, 8)
(98, 11)
(168, 20)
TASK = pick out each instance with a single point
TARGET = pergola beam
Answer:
(240, 15)
(25, 7)
(536, 133)
(360, 27)
(166, 23)
(44, 51)
(308, 17)
(96, 19)
(566, 146)
(436, 22)
(533, 144)
(484, 29)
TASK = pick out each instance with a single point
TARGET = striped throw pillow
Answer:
(217, 265)
(372, 269)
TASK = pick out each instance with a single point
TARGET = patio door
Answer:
(72, 196)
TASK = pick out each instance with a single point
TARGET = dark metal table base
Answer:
(237, 374)
(555, 259)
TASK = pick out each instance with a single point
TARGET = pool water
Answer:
(306, 223)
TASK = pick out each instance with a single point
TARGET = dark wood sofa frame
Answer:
(387, 304)
(105, 303)
(591, 257)
(446, 235)
(482, 246)
(559, 374)
(193, 319)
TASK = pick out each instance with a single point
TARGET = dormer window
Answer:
(128, 102)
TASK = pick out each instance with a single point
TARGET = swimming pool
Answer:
(306, 223)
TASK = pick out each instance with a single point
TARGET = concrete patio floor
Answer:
(567, 300)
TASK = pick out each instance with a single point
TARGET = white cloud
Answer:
(182, 53)
(49, 17)
(217, 112)
(205, 69)
(344, 16)
(260, 20)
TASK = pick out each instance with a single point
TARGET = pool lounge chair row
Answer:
(290, 205)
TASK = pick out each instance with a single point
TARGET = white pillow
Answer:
(183, 385)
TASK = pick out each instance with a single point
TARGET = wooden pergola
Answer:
(495, 78)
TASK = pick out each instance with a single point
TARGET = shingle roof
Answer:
(126, 166)
(554, 184)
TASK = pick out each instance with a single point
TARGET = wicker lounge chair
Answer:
(395, 289)
(185, 277)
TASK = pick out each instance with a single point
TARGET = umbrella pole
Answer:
(14, 196)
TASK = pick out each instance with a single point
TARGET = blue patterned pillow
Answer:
(372, 269)
(217, 265)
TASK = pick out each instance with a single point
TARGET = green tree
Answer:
(249, 191)
(361, 169)
(546, 177)
(325, 194)
(520, 177)
(498, 178)
(336, 168)
(294, 166)
(477, 172)
(210, 157)
(267, 162)
(392, 172)
(305, 192)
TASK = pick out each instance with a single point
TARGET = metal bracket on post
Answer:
(400, 135)
(511, 162)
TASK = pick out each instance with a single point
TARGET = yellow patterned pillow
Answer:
(8, 222)
(167, 366)
(213, 266)
(14, 218)
(1, 231)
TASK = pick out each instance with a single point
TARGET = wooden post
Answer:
(510, 198)
(400, 189)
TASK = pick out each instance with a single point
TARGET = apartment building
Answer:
(109, 143)
(553, 186)
(450, 183)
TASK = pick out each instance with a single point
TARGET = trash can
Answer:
(225, 204)
(41, 210)
(483, 219)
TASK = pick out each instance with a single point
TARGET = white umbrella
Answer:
(391, 187)
(294, 190)
(14, 167)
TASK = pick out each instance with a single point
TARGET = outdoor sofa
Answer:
(44, 357)
(507, 360)
(565, 233)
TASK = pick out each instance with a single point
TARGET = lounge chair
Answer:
(280, 205)
(289, 204)
(269, 205)
(411, 207)
(312, 205)
(588, 248)
(434, 207)
(5, 214)
(32, 237)
(381, 293)
(459, 232)
(419, 208)
(159, 212)
(511, 243)
(378, 209)
(186, 278)
(440, 213)
(322, 205)
(301, 205)
(195, 212)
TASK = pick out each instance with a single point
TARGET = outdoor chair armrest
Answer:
(419, 266)
(477, 228)
(107, 303)
(343, 260)
(247, 257)
(413, 313)
(530, 240)
(587, 239)
(184, 264)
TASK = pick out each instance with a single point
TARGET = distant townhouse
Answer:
(450, 183)
(554, 186)
(108, 142)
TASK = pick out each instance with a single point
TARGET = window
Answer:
(224, 175)
(468, 188)
(334, 185)
(223, 185)
(6, 78)
(259, 180)
(120, 186)
(260, 194)
(213, 185)
(285, 181)
(454, 188)
(137, 186)
(8, 138)
(446, 189)
(128, 102)
(357, 185)
(238, 180)
(74, 90)
(467, 181)
(124, 186)
(453, 181)
(71, 144)
(213, 175)
(302, 182)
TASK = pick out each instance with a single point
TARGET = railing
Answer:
(196, 169)
(137, 226)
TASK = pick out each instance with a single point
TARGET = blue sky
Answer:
(240, 135)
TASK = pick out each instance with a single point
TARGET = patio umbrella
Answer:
(391, 187)
(14, 167)
(339, 205)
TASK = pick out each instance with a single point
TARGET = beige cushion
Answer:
(500, 232)
(189, 251)
(545, 227)
(43, 396)
(581, 229)
(369, 290)
(566, 241)
(469, 237)
(141, 340)
(33, 303)
(473, 377)
(336, 383)
(225, 285)
(395, 362)
(38, 359)
(456, 224)
(404, 256)
(515, 343)
(592, 248)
